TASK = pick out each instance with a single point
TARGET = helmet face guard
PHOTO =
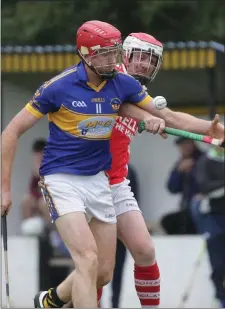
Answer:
(143, 65)
(104, 60)
(142, 56)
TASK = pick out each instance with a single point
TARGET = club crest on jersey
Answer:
(115, 102)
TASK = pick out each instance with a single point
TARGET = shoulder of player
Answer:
(126, 79)
(128, 83)
(63, 77)
(124, 75)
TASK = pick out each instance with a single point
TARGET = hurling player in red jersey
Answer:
(143, 57)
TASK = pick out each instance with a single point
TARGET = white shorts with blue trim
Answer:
(66, 193)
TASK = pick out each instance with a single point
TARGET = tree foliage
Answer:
(56, 22)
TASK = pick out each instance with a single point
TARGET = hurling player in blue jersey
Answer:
(81, 103)
(143, 54)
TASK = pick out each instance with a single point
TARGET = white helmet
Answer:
(143, 56)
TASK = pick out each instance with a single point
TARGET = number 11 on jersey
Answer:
(98, 108)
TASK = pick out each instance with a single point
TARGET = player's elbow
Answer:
(23, 121)
(9, 131)
(12, 130)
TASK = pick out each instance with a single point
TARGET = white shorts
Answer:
(66, 193)
(123, 198)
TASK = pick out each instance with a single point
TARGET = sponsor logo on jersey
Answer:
(95, 127)
(127, 126)
(79, 104)
(98, 100)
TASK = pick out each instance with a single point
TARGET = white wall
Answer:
(151, 156)
(23, 271)
(176, 257)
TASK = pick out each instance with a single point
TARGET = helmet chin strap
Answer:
(104, 76)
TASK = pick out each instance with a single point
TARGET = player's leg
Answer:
(63, 290)
(104, 231)
(105, 235)
(80, 242)
(68, 211)
(103, 226)
(134, 234)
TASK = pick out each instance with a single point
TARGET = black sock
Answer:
(55, 298)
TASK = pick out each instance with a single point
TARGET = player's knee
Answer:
(144, 253)
(105, 276)
(86, 262)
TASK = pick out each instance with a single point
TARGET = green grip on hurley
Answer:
(185, 134)
(172, 131)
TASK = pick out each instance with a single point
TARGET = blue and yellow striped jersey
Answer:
(81, 117)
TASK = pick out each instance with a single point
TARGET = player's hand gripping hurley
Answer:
(197, 137)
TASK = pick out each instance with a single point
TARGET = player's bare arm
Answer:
(188, 122)
(176, 120)
(139, 114)
(19, 124)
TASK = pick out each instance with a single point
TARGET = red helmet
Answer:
(143, 56)
(95, 34)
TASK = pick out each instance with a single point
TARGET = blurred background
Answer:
(184, 213)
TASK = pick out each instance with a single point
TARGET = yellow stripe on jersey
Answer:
(46, 84)
(96, 126)
(146, 100)
(34, 111)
